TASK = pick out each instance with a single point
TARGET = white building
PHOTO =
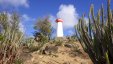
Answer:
(59, 27)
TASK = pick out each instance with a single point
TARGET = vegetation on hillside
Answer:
(10, 38)
(43, 31)
(97, 37)
(43, 27)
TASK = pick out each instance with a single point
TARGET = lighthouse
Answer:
(59, 28)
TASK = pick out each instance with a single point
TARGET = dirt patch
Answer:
(64, 55)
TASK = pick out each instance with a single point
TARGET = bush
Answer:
(18, 61)
(58, 41)
(33, 48)
(10, 38)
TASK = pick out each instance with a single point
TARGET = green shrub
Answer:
(18, 61)
(33, 48)
(58, 41)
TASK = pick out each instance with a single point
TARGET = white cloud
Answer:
(24, 20)
(54, 24)
(15, 3)
(69, 15)
(52, 19)
(25, 17)
(70, 18)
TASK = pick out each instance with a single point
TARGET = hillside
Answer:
(66, 54)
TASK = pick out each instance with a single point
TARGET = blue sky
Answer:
(68, 10)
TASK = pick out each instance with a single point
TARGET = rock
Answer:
(69, 45)
(25, 56)
(50, 50)
(66, 63)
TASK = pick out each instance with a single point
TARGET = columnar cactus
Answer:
(97, 37)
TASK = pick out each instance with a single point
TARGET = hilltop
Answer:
(67, 53)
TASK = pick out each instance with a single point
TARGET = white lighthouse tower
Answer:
(59, 27)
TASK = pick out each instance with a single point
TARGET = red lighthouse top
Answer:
(59, 20)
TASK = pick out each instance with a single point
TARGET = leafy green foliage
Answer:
(1, 37)
(43, 26)
(18, 61)
(43, 31)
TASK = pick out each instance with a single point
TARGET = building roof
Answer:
(59, 20)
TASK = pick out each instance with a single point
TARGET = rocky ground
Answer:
(65, 54)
